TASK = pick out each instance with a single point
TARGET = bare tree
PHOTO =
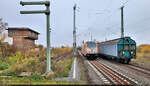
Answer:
(4, 47)
(3, 27)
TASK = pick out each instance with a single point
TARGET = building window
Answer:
(34, 34)
(18, 39)
(19, 46)
(30, 33)
(13, 31)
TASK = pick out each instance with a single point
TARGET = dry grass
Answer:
(142, 60)
(63, 66)
(142, 56)
(35, 62)
(38, 83)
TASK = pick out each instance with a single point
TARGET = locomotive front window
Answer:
(133, 47)
(91, 45)
(126, 47)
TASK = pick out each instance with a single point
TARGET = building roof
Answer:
(22, 28)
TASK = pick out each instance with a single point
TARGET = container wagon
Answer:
(121, 49)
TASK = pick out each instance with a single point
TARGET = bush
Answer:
(20, 64)
(62, 67)
(37, 77)
(25, 65)
(50, 75)
(3, 65)
(35, 62)
(15, 58)
(65, 74)
(16, 68)
(69, 65)
(58, 51)
(7, 73)
(34, 65)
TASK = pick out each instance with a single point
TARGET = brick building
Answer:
(23, 38)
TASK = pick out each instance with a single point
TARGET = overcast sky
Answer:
(101, 18)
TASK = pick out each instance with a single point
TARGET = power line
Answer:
(139, 22)
(105, 10)
(108, 17)
(127, 2)
(123, 4)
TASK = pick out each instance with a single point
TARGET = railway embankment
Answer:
(142, 57)
(35, 63)
(141, 62)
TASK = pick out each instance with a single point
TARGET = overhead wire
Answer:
(112, 13)
(137, 23)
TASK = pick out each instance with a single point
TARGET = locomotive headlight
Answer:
(132, 52)
(123, 52)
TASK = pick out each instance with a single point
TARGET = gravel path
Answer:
(93, 77)
(144, 66)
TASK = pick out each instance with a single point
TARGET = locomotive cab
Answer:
(127, 49)
(89, 49)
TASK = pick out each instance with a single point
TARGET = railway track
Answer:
(109, 75)
(133, 67)
(61, 56)
(113, 76)
(142, 70)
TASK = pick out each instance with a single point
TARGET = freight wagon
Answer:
(121, 49)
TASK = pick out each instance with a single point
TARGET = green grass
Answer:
(3, 65)
(29, 81)
(6, 72)
(60, 68)
(37, 77)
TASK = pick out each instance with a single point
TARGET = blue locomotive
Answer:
(121, 49)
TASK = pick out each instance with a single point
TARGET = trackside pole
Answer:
(74, 42)
(74, 31)
(47, 12)
(122, 23)
(48, 69)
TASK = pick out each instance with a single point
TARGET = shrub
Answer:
(62, 68)
(31, 65)
(16, 68)
(69, 65)
(3, 65)
(36, 62)
(7, 73)
(58, 51)
(65, 74)
(50, 75)
(15, 58)
(37, 77)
